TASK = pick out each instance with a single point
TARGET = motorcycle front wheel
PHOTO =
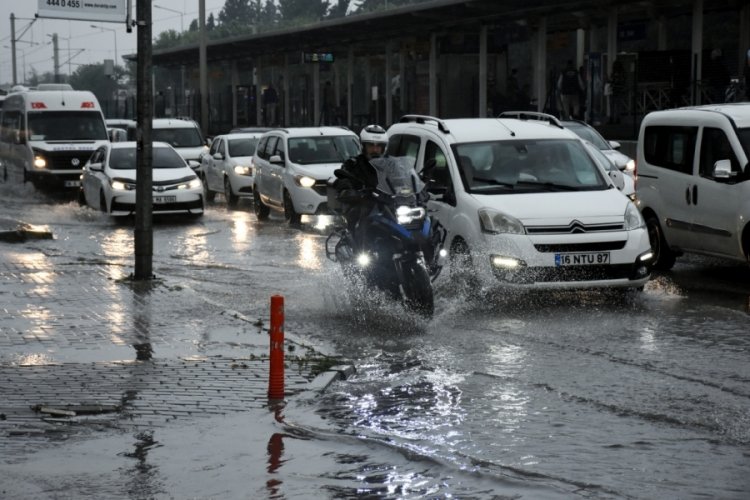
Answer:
(417, 288)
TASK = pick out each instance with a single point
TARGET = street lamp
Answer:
(114, 32)
(182, 26)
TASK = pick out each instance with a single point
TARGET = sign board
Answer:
(317, 57)
(110, 11)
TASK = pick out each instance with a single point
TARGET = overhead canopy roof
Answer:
(421, 19)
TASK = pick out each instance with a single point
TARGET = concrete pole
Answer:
(483, 71)
(13, 46)
(316, 95)
(56, 57)
(433, 111)
(349, 85)
(144, 231)
(697, 50)
(203, 65)
(388, 86)
(540, 57)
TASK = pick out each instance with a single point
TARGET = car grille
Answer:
(580, 247)
(574, 228)
(63, 160)
(169, 185)
(321, 187)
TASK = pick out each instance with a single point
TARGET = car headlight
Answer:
(193, 183)
(243, 170)
(496, 222)
(407, 215)
(40, 161)
(304, 181)
(633, 218)
(122, 185)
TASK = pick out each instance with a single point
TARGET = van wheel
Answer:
(292, 217)
(664, 257)
(261, 210)
(232, 199)
(207, 193)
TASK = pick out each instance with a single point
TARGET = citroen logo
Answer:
(75, 162)
(577, 227)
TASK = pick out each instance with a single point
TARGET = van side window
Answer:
(440, 176)
(270, 147)
(261, 149)
(11, 124)
(715, 146)
(404, 145)
(672, 148)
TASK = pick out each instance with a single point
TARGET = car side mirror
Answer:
(276, 160)
(617, 178)
(218, 156)
(615, 144)
(96, 167)
(722, 169)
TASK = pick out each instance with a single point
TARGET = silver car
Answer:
(228, 167)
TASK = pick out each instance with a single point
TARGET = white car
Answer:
(228, 167)
(184, 136)
(524, 204)
(109, 179)
(694, 181)
(293, 165)
(625, 183)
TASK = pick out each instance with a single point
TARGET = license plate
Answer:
(582, 259)
(70, 184)
(165, 199)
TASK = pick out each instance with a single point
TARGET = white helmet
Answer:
(374, 134)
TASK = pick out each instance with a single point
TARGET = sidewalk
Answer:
(82, 350)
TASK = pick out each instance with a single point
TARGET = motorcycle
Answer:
(395, 247)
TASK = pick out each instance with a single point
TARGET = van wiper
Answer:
(550, 185)
(495, 182)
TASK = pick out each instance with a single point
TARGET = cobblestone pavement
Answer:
(83, 349)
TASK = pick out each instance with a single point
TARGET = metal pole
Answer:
(56, 57)
(13, 45)
(144, 230)
(202, 66)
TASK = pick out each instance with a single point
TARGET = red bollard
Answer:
(276, 375)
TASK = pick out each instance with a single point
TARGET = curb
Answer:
(324, 380)
(22, 232)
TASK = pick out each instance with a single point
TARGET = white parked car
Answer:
(524, 204)
(293, 165)
(694, 181)
(228, 167)
(109, 179)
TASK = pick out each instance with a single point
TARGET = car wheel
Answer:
(463, 273)
(292, 217)
(261, 210)
(232, 199)
(207, 193)
(664, 257)
(102, 202)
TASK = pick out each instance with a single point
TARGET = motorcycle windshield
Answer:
(396, 176)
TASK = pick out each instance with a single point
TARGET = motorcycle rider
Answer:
(362, 174)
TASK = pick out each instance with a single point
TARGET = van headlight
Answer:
(40, 161)
(496, 222)
(633, 218)
(304, 181)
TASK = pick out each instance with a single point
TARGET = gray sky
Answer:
(98, 44)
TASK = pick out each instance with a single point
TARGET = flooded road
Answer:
(525, 395)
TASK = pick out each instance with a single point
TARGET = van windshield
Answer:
(67, 126)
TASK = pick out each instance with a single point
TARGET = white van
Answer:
(694, 181)
(184, 135)
(47, 136)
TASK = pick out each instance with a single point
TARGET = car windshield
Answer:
(124, 158)
(523, 166)
(242, 147)
(67, 126)
(589, 134)
(178, 137)
(322, 149)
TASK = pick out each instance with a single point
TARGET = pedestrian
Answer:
(569, 85)
(270, 102)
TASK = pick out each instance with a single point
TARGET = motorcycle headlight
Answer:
(304, 181)
(407, 215)
(243, 170)
(633, 218)
(496, 222)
